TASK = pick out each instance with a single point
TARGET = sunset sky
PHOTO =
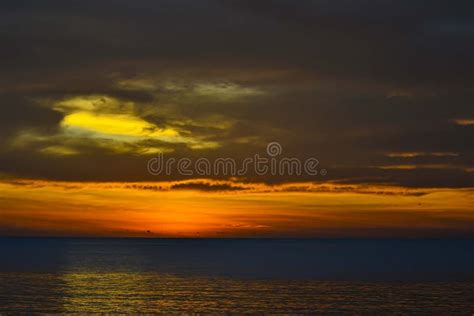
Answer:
(380, 92)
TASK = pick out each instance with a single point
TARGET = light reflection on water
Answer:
(218, 276)
(83, 292)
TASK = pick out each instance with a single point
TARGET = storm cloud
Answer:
(376, 90)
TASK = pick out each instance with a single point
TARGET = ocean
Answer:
(297, 276)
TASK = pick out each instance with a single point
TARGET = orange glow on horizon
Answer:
(176, 209)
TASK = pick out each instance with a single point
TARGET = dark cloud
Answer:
(18, 112)
(203, 186)
(342, 81)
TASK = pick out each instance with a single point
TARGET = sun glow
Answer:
(215, 208)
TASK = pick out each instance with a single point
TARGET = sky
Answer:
(379, 92)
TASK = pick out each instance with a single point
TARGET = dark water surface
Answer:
(60, 275)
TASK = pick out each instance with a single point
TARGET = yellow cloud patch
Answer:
(137, 84)
(93, 103)
(421, 154)
(420, 166)
(126, 130)
(464, 122)
(226, 91)
(117, 124)
(59, 151)
(111, 124)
